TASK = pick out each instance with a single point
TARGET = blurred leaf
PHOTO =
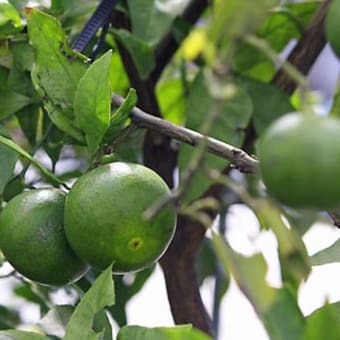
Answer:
(232, 119)
(295, 265)
(118, 77)
(28, 118)
(120, 118)
(11, 102)
(141, 54)
(22, 335)
(55, 321)
(57, 69)
(300, 221)
(323, 322)
(185, 332)
(285, 23)
(35, 294)
(269, 102)
(8, 159)
(61, 120)
(330, 254)
(124, 292)
(18, 149)
(102, 324)
(53, 139)
(284, 319)
(10, 21)
(239, 17)
(335, 109)
(152, 19)
(23, 55)
(18, 4)
(248, 272)
(13, 188)
(92, 104)
(207, 264)
(4, 72)
(21, 82)
(100, 294)
(172, 100)
(331, 26)
(8, 318)
(131, 148)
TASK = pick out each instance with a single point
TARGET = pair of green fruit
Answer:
(53, 238)
(300, 161)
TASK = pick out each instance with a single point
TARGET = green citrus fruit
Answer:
(104, 219)
(33, 241)
(300, 161)
(332, 27)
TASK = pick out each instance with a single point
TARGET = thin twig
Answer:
(5, 276)
(239, 158)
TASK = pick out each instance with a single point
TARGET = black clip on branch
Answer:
(99, 19)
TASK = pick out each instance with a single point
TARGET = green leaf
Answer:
(172, 101)
(100, 295)
(330, 254)
(185, 332)
(239, 17)
(8, 159)
(28, 118)
(285, 23)
(57, 69)
(141, 54)
(22, 335)
(120, 118)
(18, 149)
(23, 55)
(37, 294)
(269, 103)
(10, 22)
(9, 318)
(295, 265)
(152, 19)
(207, 264)
(118, 77)
(233, 117)
(92, 104)
(284, 319)
(300, 221)
(248, 272)
(323, 322)
(332, 27)
(11, 102)
(102, 324)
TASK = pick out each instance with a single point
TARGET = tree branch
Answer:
(169, 45)
(240, 159)
(306, 51)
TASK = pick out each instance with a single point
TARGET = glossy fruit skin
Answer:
(300, 161)
(104, 220)
(33, 241)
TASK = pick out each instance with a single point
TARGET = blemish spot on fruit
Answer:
(135, 243)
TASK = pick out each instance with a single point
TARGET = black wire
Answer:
(100, 41)
(98, 19)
